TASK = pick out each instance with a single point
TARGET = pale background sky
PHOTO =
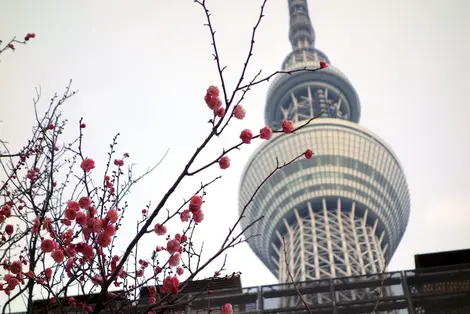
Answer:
(142, 68)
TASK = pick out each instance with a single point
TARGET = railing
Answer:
(420, 291)
(432, 290)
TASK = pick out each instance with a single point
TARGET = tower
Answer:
(344, 211)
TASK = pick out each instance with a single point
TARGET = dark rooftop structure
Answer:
(439, 284)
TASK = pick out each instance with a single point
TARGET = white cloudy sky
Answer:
(142, 68)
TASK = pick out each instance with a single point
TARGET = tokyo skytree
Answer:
(344, 211)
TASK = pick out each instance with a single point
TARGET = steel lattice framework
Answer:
(330, 237)
(341, 213)
(328, 243)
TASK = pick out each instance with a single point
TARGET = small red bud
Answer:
(308, 153)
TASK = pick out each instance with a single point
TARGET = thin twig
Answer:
(380, 294)
(292, 277)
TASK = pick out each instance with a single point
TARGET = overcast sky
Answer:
(142, 68)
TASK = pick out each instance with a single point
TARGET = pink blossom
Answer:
(226, 309)
(212, 101)
(198, 216)
(97, 279)
(152, 291)
(287, 126)
(87, 164)
(73, 205)
(29, 36)
(58, 256)
(170, 285)
(266, 133)
(9, 229)
(81, 218)
(70, 214)
(308, 153)
(224, 162)
(84, 202)
(69, 264)
(47, 246)
(174, 260)
(6, 211)
(152, 300)
(12, 282)
(239, 112)
(119, 162)
(71, 250)
(213, 90)
(16, 267)
(195, 203)
(109, 230)
(246, 136)
(220, 112)
(158, 270)
(173, 246)
(88, 251)
(159, 229)
(97, 224)
(103, 240)
(185, 215)
(180, 271)
(112, 215)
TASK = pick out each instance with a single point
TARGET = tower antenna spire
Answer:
(301, 31)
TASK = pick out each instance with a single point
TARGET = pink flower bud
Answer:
(265, 133)
(175, 260)
(239, 112)
(159, 229)
(308, 153)
(287, 126)
(246, 136)
(198, 216)
(224, 162)
(220, 112)
(185, 215)
(87, 164)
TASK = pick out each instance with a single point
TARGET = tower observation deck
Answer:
(344, 211)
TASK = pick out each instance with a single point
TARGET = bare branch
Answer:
(292, 277)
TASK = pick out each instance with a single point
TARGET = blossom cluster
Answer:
(212, 99)
(76, 237)
(26, 38)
